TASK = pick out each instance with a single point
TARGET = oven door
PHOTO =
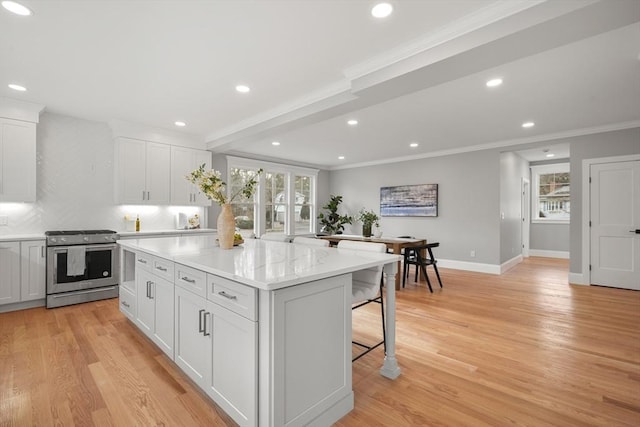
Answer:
(101, 268)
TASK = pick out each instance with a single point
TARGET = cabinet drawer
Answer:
(191, 279)
(144, 261)
(239, 298)
(163, 268)
(127, 303)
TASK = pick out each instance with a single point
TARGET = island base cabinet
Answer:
(311, 353)
(217, 349)
(192, 345)
(233, 383)
(154, 310)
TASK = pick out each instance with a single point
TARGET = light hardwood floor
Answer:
(524, 348)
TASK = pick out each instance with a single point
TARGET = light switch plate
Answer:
(4, 220)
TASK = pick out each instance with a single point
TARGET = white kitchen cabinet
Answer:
(183, 161)
(233, 381)
(17, 161)
(142, 172)
(192, 344)
(217, 349)
(154, 309)
(32, 266)
(9, 272)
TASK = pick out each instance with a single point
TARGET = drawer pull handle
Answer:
(226, 295)
(126, 304)
(142, 261)
(204, 332)
(186, 279)
(200, 328)
(161, 268)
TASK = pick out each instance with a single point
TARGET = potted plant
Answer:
(368, 219)
(332, 222)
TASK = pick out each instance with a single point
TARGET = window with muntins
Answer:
(285, 201)
(551, 193)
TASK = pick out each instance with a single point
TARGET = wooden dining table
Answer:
(396, 244)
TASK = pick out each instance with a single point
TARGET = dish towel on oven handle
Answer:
(76, 261)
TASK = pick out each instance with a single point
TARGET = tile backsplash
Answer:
(75, 184)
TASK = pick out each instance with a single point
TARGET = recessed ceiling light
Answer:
(551, 155)
(17, 87)
(352, 122)
(180, 124)
(494, 82)
(528, 124)
(276, 143)
(340, 157)
(413, 145)
(381, 10)
(242, 88)
(17, 8)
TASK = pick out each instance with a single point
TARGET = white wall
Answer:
(468, 202)
(75, 183)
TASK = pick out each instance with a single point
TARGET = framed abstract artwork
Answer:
(409, 200)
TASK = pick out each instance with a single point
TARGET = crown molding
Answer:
(11, 108)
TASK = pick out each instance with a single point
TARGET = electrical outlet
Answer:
(4, 220)
(473, 253)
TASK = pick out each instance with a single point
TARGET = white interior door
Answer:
(615, 224)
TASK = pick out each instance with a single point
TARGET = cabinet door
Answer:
(181, 165)
(162, 293)
(200, 158)
(32, 265)
(145, 306)
(234, 373)
(17, 161)
(9, 272)
(131, 171)
(192, 344)
(158, 173)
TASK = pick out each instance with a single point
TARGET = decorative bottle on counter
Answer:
(138, 223)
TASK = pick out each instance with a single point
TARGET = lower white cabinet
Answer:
(33, 269)
(9, 272)
(154, 309)
(217, 349)
(22, 272)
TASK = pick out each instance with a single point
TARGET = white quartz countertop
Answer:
(262, 264)
(21, 237)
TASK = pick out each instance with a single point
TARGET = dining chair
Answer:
(414, 257)
(367, 288)
(310, 241)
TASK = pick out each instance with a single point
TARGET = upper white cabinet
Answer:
(142, 172)
(17, 161)
(183, 161)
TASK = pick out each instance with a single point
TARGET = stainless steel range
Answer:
(82, 266)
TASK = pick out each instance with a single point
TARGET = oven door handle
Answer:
(100, 246)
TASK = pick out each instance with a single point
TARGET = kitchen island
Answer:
(263, 328)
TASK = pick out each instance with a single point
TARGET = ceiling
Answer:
(570, 66)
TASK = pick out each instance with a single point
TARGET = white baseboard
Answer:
(577, 279)
(549, 254)
(469, 266)
(507, 265)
